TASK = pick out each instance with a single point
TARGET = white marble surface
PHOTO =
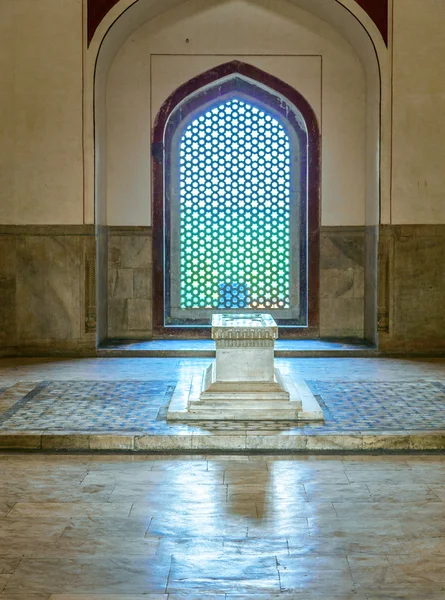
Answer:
(244, 347)
(243, 384)
(14, 370)
(300, 404)
(249, 327)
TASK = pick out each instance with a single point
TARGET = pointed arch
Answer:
(189, 97)
(376, 9)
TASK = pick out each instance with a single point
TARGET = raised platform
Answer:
(121, 405)
(206, 348)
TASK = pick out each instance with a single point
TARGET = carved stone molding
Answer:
(244, 331)
(245, 343)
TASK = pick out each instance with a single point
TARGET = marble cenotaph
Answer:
(243, 383)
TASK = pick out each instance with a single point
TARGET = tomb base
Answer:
(204, 399)
(243, 384)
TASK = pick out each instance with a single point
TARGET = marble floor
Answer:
(206, 348)
(141, 527)
(13, 370)
(121, 403)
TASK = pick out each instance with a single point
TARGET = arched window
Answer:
(234, 211)
(231, 231)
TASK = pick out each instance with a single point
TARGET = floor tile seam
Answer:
(433, 492)
(350, 571)
(277, 564)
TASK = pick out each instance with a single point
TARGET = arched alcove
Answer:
(339, 20)
(240, 81)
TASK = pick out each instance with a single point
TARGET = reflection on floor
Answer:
(368, 404)
(133, 527)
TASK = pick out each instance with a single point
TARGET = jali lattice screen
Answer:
(235, 210)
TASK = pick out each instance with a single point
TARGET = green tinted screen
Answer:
(234, 177)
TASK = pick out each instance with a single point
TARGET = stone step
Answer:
(245, 397)
(228, 440)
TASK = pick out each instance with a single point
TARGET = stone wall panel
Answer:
(47, 280)
(342, 282)
(412, 260)
(370, 283)
(48, 288)
(341, 318)
(8, 309)
(129, 283)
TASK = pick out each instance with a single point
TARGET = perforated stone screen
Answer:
(234, 182)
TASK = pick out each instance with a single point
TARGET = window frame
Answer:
(236, 79)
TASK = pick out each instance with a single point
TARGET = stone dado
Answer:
(48, 289)
(342, 292)
(411, 311)
(129, 282)
(341, 282)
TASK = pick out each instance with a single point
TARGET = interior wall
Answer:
(411, 312)
(100, 186)
(418, 183)
(41, 172)
(417, 72)
(42, 180)
(279, 38)
(47, 285)
(284, 40)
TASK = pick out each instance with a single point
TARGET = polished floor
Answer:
(146, 527)
(206, 348)
(13, 370)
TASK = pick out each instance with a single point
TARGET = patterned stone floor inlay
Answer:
(394, 405)
(140, 406)
(88, 406)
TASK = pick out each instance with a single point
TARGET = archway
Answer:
(346, 18)
(297, 309)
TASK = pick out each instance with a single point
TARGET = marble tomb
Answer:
(243, 383)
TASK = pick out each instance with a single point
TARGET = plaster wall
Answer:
(279, 38)
(41, 175)
(41, 102)
(418, 183)
(46, 300)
